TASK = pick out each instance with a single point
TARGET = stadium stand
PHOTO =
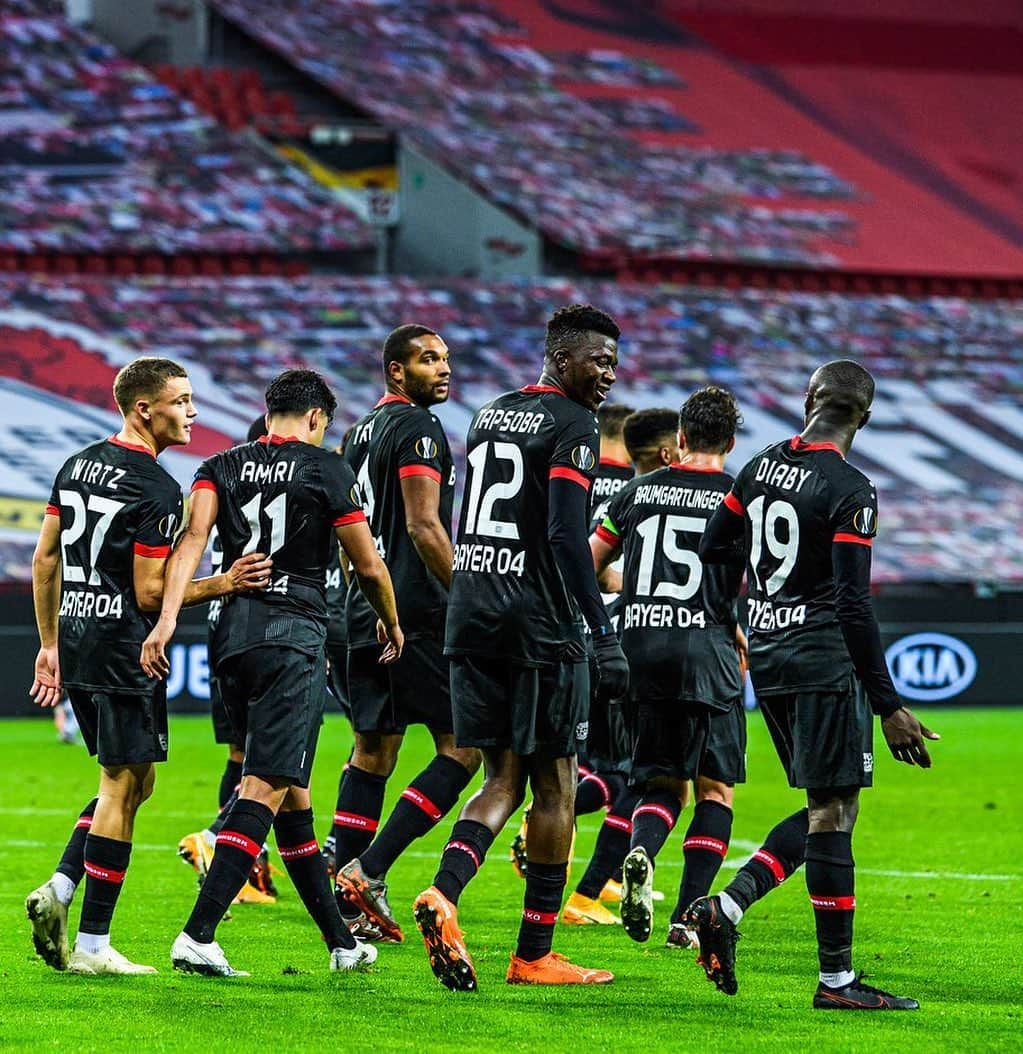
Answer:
(694, 175)
(945, 448)
(98, 157)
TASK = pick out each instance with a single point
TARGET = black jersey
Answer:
(337, 629)
(611, 477)
(396, 439)
(678, 617)
(114, 502)
(796, 499)
(216, 566)
(284, 498)
(508, 598)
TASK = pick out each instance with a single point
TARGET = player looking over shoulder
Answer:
(807, 520)
(679, 631)
(522, 587)
(400, 455)
(285, 494)
(97, 580)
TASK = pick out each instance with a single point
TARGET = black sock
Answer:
(592, 792)
(463, 857)
(296, 842)
(653, 820)
(239, 843)
(106, 861)
(704, 850)
(218, 824)
(830, 881)
(783, 852)
(360, 801)
(72, 862)
(611, 847)
(428, 798)
(545, 886)
(229, 781)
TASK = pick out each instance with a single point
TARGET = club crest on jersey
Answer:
(426, 447)
(583, 458)
(865, 521)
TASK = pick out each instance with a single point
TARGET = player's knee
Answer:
(377, 755)
(468, 757)
(714, 790)
(832, 809)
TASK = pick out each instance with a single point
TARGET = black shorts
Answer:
(223, 730)
(531, 710)
(724, 756)
(122, 729)
(668, 738)
(415, 690)
(824, 738)
(337, 676)
(604, 738)
(274, 696)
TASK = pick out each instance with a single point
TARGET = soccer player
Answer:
(651, 442)
(522, 587)
(401, 457)
(197, 848)
(602, 750)
(288, 496)
(679, 631)
(807, 520)
(97, 574)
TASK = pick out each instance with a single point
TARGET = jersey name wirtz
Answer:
(256, 472)
(95, 473)
(778, 474)
(683, 497)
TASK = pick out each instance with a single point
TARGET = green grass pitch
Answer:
(939, 918)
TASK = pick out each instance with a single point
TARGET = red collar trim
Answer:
(798, 443)
(131, 446)
(616, 463)
(678, 467)
(278, 440)
(533, 389)
(390, 397)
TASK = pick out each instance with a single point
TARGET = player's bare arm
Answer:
(168, 585)
(604, 554)
(46, 686)
(375, 582)
(421, 496)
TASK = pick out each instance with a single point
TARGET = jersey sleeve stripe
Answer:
(561, 472)
(732, 503)
(204, 484)
(52, 510)
(841, 537)
(606, 536)
(349, 518)
(153, 552)
(419, 470)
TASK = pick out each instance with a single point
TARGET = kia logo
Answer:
(931, 666)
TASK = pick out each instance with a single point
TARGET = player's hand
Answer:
(46, 687)
(393, 640)
(249, 572)
(612, 666)
(154, 659)
(905, 736)
(742, 650)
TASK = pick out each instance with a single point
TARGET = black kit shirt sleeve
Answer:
(342, 493)
(724, 538)
(854, 526)
(612, 528)
(573, 468)
(159, 518)
(419, 446)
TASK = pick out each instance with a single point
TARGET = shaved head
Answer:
(841, 390)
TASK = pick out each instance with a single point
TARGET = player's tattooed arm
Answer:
(421, 495)
(375, 582)
(46, 684)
